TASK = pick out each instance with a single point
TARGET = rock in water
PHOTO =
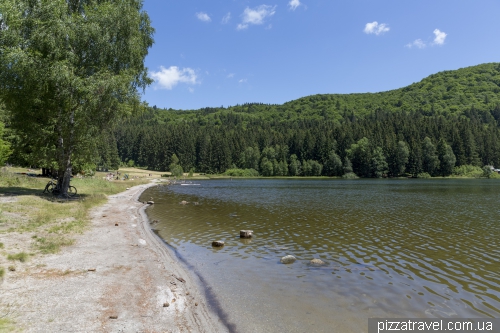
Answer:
(288, 259)
(317, 262)
(246, 233)
(218, 244)
(151, 202)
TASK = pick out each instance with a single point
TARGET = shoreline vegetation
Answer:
(34, 226)
(45, 244)
(449, 119)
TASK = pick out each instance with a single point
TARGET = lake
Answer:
(392, 248)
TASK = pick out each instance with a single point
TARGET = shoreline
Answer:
(118, 276)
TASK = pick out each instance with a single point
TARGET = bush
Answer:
(467, 171)
(177, 171)
(423, 175)
(241, 173)
(489, 173)
(350, 175)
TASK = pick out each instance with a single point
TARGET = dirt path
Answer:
(116, 278)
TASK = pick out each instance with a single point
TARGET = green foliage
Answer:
(177, 171)
(489, 173)
(2, 272)
(241, 173)
(250, 158)
(378, 163)
(191, 171)
(349, 175)
(68, 72)
(401, 158)
(5, 150)
(1, 245)
(430, 160)
(392, 133)
(424, 175)
(360, 156)
(446, 157)
(22, 256)
(175, 168)
(467, 171)
(333, 165)
(295, 167)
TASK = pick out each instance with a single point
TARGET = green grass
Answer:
(2, 272)
(54, 222)
(6, 325)
(1, 245)
(22, 256)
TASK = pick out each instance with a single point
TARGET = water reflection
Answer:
(393, 248)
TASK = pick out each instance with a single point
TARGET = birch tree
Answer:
(68, 70)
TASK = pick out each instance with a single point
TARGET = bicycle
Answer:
(52, 187)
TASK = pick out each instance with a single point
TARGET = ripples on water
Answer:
(408, 248)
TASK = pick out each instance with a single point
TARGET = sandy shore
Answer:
(116, 278)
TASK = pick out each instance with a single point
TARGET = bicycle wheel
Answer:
(49, 188)
(71, 191)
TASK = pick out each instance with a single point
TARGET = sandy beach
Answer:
(117, 277)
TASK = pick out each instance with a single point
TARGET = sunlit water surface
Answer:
(393, 248)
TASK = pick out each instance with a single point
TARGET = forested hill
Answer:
(445, 92)
(448, 119)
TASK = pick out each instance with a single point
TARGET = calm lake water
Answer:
(393, 248)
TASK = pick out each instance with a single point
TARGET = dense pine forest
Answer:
(448, 122)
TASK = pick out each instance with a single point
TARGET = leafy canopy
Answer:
(69, 69)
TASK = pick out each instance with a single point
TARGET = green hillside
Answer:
(448, 92)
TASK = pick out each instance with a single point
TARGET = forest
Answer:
(446, 124)
(447, 121)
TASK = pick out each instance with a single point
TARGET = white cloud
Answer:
(203, 17)
(293, 4)
(242, 81)
(226, 18)
(375, 28)
(167, 78)
(418, 43)
(191, 90)
(440, 37)
(230, 75)
(256, 15)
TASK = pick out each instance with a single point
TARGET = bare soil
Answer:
(117, 277)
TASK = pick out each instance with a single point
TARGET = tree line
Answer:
(377, 145)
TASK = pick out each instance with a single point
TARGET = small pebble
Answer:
(166, 304)
(113, 317)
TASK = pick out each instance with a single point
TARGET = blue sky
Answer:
(211, 53)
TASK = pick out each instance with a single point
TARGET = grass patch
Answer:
(22, 256)
(53, 244)
(53, 222)
(2, 272)
(1, 245)
(6, 325)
